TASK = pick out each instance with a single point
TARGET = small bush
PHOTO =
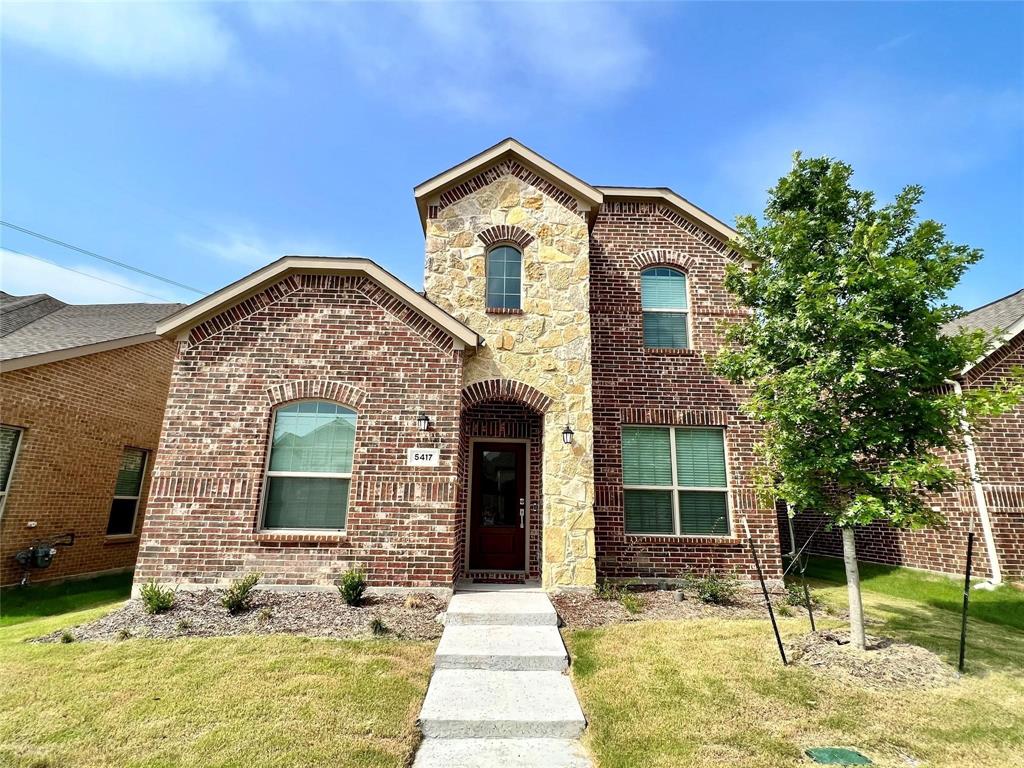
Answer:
(264, 614)
(714, 588)
(156, 599)
(632, 602)
(352, 585)
(795, 595)
(184, 625)
(238, 597)
(67, 637)
(785, 610)
(124, 634)
(414, 601)
(378, 627)
(606, 590)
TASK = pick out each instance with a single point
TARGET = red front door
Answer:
(498, 507)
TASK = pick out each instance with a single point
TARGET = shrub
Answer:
(378, 627)
(414, 601)
(795, 595)
(265, 614)
(156, 599)
(352, 585)
(714, 588)
(632, 602)
(238, 597)
(67, 637)
(124, 634)
(184, 625)
(606, 590)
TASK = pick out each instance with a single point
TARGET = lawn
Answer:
(18, 605)
(246, 701)
(713, 692)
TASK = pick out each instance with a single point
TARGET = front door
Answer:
(498, 507)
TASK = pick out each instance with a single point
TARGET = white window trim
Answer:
(268, 473)
(136, 498)
(14, 464)
(522, 274)
(675, 488)
(684, 312)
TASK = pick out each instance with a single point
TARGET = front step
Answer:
(508, 608)
(523, 648)
(481, 704)
(506, 753)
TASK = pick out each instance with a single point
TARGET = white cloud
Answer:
(21, 275)
(243, 245)
(476, 60)
(177, 40)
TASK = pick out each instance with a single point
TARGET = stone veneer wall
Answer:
(546, 346)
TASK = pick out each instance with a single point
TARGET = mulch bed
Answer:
(884, 665)
(312, 614)
(582, 610)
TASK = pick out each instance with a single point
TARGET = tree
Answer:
(843, 355)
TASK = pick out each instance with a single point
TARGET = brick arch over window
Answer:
(507, 390)
(662, 257)
(316, 389)
(505, 233)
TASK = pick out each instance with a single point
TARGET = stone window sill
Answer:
(123, 538)
(671, 352)
(299, 537)
(503, 311)
(711, 541)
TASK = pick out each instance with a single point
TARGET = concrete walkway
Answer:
(499, 695)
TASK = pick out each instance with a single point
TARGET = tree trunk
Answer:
(853, 588)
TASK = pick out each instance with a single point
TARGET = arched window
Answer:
(666, 314)
(504, 278)
(310, 466)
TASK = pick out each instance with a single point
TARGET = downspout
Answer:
(979, 494)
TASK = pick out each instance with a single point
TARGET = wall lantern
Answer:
(567, 434)
(423, 421)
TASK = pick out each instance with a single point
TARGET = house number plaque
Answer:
(423, 457)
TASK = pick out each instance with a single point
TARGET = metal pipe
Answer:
(979, 490)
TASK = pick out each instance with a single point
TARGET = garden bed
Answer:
(313, 614)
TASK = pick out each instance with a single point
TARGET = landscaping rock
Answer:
(313, 614)
(584, 610)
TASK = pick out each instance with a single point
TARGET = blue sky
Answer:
(202, 141)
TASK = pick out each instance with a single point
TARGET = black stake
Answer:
(967, 599)
(764, 591)
(807, 598)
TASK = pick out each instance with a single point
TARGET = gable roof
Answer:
(1005, 315)
(40, 329)
(238, 291)
(588, 196)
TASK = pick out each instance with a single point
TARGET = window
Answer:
(674, 481)
(666, 317)
(127, 489)
(310, 466)
(10, 439)
(504, 278)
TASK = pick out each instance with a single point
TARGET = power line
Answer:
(86, 274)
(55, 241)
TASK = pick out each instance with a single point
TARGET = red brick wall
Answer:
(340, 338)
(999, 444)
(634, 385)
(78, 416)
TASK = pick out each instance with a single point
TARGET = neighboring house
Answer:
(544, 410)
(82, 394)
(999, 448)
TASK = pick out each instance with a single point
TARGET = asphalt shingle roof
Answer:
(1000, 314)
(66, 326)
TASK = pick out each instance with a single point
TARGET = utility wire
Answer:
(55, 241)
(86, 274)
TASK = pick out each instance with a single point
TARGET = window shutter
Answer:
(700, 458)
(648, 512)
(703, 513)
(646, 456)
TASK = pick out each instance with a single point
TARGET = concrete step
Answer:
(522, 648)
(506, 753)
(508, 608)
(480, 704)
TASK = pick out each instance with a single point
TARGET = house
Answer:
(993, 505)
(543, 411)
(82, 393)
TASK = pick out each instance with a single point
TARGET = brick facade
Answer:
(999, 445)
(333, 337)
(635, 385)
(78, 415)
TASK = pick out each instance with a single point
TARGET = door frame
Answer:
(469, 499)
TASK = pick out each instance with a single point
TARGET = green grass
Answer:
(697, 694)
(245, 701)
(1004, 606)
(18, 604)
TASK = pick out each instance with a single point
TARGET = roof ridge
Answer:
(989, 304)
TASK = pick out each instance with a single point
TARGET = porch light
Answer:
(567, 434)
(423, 421)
